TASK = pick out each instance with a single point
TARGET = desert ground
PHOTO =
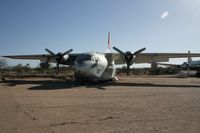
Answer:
(132, 105)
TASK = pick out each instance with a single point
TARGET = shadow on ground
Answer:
(70, 84)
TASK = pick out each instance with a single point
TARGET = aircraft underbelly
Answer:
(84, 76)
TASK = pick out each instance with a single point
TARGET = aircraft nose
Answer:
(82, 67)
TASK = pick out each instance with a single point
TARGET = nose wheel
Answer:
(115, 79)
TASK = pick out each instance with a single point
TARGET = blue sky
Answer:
(30, 26)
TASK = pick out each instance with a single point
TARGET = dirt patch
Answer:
(139, 104)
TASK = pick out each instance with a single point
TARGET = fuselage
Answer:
(192, 64)
(94, 67)
(195, 63)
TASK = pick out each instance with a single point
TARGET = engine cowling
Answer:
(65, 57)
(129, 58)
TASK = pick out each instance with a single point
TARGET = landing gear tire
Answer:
(115, 79)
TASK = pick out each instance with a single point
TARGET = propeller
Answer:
(129, 57)
(59, 57)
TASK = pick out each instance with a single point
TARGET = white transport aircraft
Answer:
(94, 66)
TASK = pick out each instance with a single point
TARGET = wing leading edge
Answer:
(151, 57)
(119, 59)
(43, 58)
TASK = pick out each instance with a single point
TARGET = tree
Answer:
(26, 68)
(2, 63)
(18, 68)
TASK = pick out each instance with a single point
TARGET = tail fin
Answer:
(108, 50)
(108, 40)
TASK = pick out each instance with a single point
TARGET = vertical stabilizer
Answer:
(108, 40)
(108, 50)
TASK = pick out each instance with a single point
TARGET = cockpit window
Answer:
(84, 57)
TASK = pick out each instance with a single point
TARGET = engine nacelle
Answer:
(65, 57)
(129, 57)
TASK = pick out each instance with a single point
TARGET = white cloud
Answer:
(164, 15)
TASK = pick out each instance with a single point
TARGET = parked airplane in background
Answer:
(195, 65)
(94, 66)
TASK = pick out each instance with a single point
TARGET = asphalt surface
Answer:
(140, 105)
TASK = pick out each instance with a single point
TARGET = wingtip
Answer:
(4, 56)
(7, 57)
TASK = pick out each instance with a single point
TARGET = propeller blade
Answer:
(118, 50)
(129, 57)
(139, 51)
(50, 52)
(67, 52)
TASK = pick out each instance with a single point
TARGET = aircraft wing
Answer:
(152, 57)
(169, 65)
(43, 58)
(30, 57)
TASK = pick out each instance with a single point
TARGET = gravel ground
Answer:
(134, 104)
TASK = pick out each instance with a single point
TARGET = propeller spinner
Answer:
(59, 57)
(129, 57)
